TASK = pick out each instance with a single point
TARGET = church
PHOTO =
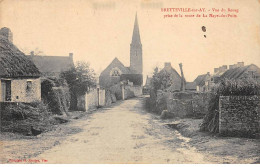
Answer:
(117, 72)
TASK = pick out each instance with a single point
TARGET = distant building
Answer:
(147, 86)
(191, 86)
(116, 71)
(52, 66)
(19, 77)
(175, 78)
(243, 72)
(203, 82)
(236, 71)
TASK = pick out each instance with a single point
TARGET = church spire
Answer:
(136, 36)
(136, 55)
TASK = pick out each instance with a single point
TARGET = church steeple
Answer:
(136, 35)
(136, 55)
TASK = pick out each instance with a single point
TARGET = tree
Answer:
(161, 80)
(80, 79)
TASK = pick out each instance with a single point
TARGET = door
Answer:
(6, 90)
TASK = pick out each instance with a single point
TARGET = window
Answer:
(28, 86)
(115, 72)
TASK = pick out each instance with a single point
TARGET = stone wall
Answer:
(91, 100)
(180, 104)
(188, 104)
(239, 116)
(21, 93)
(200, 103)
(102, 97)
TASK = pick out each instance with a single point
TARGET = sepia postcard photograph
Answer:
(129, 82)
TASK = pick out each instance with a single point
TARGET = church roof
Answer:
(136, 35)
(117, 63)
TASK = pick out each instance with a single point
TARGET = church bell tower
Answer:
(136, 55)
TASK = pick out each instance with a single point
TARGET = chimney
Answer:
(71, 55)
(223, 68)
(167, 64)
(6, 32)
(32, 53)
(216, 70)
(240, 64)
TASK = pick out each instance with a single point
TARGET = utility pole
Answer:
(183, 86)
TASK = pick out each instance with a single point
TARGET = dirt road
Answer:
(124, 133)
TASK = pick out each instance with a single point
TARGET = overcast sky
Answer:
(97, 31)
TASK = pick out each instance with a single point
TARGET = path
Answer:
(124, 133)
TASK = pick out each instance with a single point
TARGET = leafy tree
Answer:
(161, 80)
(80, 79)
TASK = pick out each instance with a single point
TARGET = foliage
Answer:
(226, 87)
(19, 117)
(161, 80)
(239, 87)
(80, 78)
(56, 96)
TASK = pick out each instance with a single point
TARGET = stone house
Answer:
(242, 72)
(203, 82)
(19, 77)
(52, 66)
(175, 78)
(116, 72)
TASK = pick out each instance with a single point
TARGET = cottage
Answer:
(19, 77)
(52, 66)
(175, 78)
(203, 82)
(242, 72)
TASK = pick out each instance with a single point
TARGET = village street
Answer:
(124, 133)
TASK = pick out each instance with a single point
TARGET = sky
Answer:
(97, 31)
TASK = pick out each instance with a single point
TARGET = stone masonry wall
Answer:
(180, 104)
(239, 116)
(19, 92)
(200, 103)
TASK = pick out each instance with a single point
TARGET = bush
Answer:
(226, 87)
(19, 117)
(239, 87)
(57, 98)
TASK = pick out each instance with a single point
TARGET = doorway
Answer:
(6, 90)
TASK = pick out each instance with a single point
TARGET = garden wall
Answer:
(180, 104)
(200, 103)
(188, 104)
(92, 100)
(239, 116)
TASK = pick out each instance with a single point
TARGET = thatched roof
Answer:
(239, 72)
(13, 62)
(200, 80)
